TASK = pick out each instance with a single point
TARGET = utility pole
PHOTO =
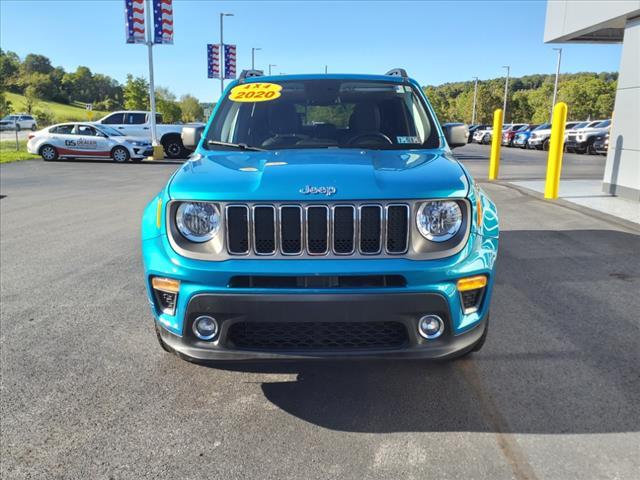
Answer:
(271, 65)
(326, 68)
(555, 86)
(152, 91)
(506, 91)
(222, 15)
(253, 57)
(475, 97)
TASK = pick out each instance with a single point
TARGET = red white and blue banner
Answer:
(134, 17)
(229, 61)
(213, 60)
(163, 21)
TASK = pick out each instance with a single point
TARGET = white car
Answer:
(137, 123)
(85, 140)
(18, 121)
(482, 135)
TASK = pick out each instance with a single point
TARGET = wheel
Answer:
(33, 127)
(120, 154)
(173, 147)
(590, 148)
(48, 153)
(163, 345)
(545, 145)
(485, 140)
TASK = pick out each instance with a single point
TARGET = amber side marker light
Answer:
(471, 283)
(166, 293)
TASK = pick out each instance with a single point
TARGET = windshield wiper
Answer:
(240, 146)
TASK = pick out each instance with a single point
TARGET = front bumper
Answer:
(573, 144)
(430, 288)
(535, 142)
(142, 152)
(401, 308)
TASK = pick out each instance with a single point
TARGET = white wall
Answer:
(622, 171)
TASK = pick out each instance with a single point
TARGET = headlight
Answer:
(139, 144)
(198, 221)
(439, 220)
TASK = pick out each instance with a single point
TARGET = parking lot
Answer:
(88, 393)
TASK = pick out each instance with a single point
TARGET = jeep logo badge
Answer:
(311, 190)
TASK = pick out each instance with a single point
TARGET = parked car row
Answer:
(580, 137)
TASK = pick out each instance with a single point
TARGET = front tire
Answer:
(120, 154)
(48, 153)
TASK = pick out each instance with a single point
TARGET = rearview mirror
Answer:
(456, 135)
(191, 136)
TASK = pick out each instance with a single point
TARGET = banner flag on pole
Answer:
(213, 60)
(229, 61)
(163, 21)
(134, 18)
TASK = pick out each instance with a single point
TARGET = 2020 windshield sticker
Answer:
(255, 92)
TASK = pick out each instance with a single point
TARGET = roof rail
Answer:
(398, 72)
(250, 73)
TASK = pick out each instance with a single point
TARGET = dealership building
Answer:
(613, 21)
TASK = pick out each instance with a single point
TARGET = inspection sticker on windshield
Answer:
(408, 140)
(255, 92)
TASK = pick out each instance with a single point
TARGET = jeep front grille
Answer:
(315, 229)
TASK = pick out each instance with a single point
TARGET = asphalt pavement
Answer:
(87, 393)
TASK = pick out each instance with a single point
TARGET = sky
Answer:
(436, 42)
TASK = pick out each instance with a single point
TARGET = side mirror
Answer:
(456, 135)
(191, 136)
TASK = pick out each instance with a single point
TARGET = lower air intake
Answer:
(317, 335)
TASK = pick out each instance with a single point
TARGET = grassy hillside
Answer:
(58, 111)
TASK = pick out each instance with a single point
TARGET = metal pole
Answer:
(253, 58)
(326, 68)
(475, 97)
(221, 58)
(271, 65)
(555, 86)
(152, 91)
(506, 89)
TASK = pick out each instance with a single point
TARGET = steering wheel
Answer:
(373, 135)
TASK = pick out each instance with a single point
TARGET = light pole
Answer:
(152, 91)
(506, 90)
(253, 57)
(326, 68)
(555, 86)
(222, 15)
(271, 65)
(475, 97)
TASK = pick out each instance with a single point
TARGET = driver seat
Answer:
(365, 119)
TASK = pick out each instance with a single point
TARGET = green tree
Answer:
(5, 105)
(191, 109)
(136, 93)
(34, 63)
(42, 86)
(30, 98)
(9, 71)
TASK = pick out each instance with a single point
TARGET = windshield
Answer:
(323, 113)
(112, 132)
(544, 126)
(604, 124)
(580, 125)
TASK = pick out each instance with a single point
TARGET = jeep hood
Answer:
(354, 174)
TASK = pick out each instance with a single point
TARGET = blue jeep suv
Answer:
(321, 216)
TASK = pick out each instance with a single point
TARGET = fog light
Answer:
(205, 327)
(430, 326)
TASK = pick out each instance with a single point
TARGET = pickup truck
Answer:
(582, 140)
(321, 216)
(137, 123)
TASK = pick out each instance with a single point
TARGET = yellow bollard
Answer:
(556, 149)
(496, 141)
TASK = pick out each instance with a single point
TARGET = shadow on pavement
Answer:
(562, 354)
